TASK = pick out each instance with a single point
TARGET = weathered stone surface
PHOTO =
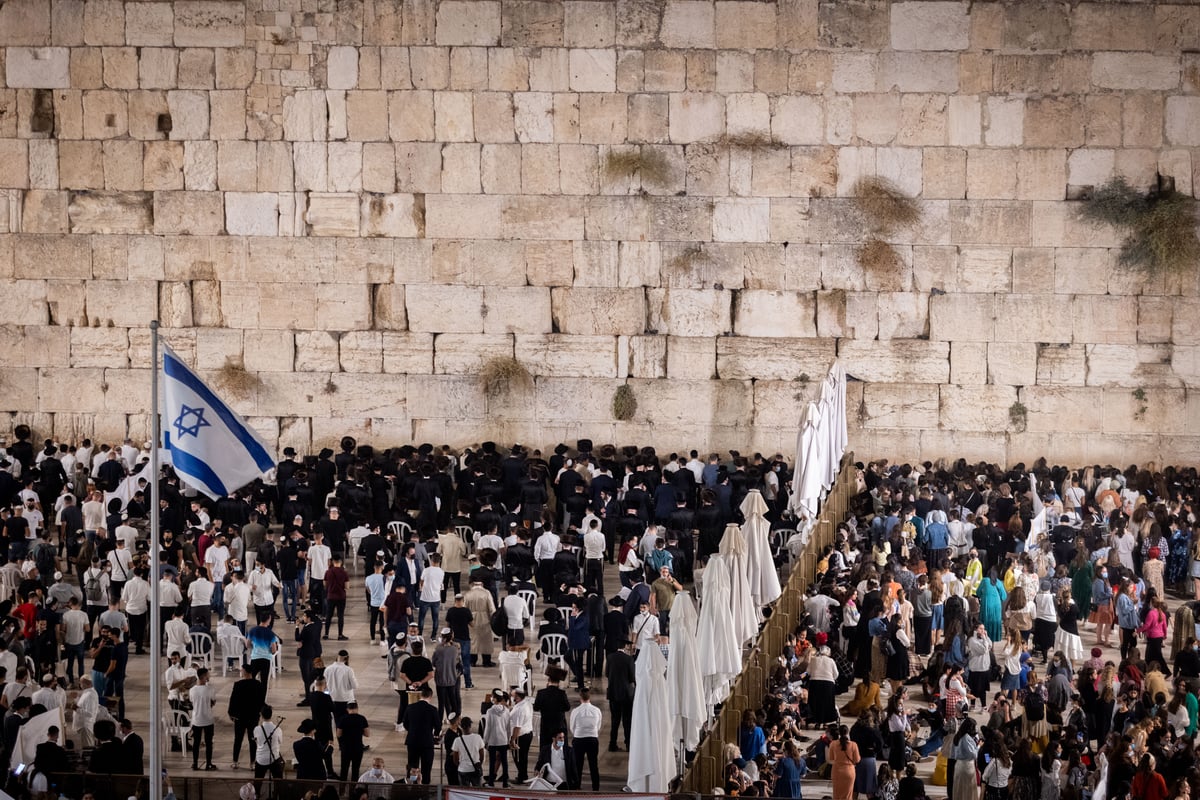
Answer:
(688, 312)
(209, 23)
(268, 351)
(38, 68)
(99, 347)
(444, 309)
(599, 311)
(111, 212)
(899, 405)
(561, 356)
(127, 304)
(751, 358)
(689, 357)
(929, 26)
(1012, 363)
(517, 309)
(916, 361)
(774, 314)
(317, 351)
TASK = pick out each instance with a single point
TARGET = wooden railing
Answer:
(749, 688)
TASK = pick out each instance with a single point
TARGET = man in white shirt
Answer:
(584, 723)
(129, 455)
(544, 551)
(169, 596)
(520, 723)
(319, 556)
(340, 682)
(75, 625)
(594, 545)
(200, 599)
(379, 776)
(645, 627)
(93, 515)
(237, 600)
(121, 561)
(517, 611)
(87, 706)
(216, 558)
(429, 598)
(127, 533)
(262, 588)
(96, 585)
(468, 754)
(47, 695)
(203, 699)
(136, 598)
(176, 633)
(174, 676)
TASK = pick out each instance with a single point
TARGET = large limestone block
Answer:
(537, 217)
(1033, 317)
(561, 356)
(332, 214)
(251, 213)
(856, 24)
(1134, 366)
(59, 389)
(1061, 365)
(930, 26)
(463, 216)
(301, 394)
(1103, 319)
(317, 351)
(388, 310)
(34, 346)
(175, 304)
(690, 358)
(1155, 319)
(1182, 113)
(407, 353)
(718, 402)
(111, 212)
(745, 25)
(968, 362)
(918, 72)
(517, 309)
(753, 358)
(982, 269)
(291, 259)
(128, 391)
(379, 397)
(688, 24)
(1135, 71)
(51, 257)
(593, 70)
(742, 220)
(362, 261)
(479, 263)
(902, 315)
(127, 304)
(194, 213)
(38, 68)
(268, 351)
(774, 314)
(444, 309)
(689, 312)
(899, 405)
(465, 354)
(1057, 409)
(696, 116)
(361, 351)
(896, 361)
(975, 408)
(67, 303)
(599, 312)
(445, 397)
(99, 347)
(1159, 411)
(1012, 363)
(343, 307)
(468, 23)
(30, 24)
(393, 215)
(209, 23)
(990, 223)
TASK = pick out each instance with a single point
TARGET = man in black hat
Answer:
(310, 755)
(284, 471)
(622, 679)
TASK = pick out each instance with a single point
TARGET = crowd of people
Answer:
(546, 575)
(958, 602)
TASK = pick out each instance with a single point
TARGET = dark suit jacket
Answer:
(572, 777)
(246, 700)
(320, 706)
(309, 638)
(51, 758)
(310, 759)
(619, 670)
(422, 721)
(133, 749)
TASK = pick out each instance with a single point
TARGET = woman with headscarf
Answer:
(991, 596)
(965, 784)
(1067, 640)
(822, 680)
(1102, 606)
(1082, 574)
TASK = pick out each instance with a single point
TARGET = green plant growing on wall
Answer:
(650, 166)
(504, 375)
(1018, 416)
(1160, 225)
(624, 403)
(885, 210)
(1139, 394)
(750, 140)
(234, 376)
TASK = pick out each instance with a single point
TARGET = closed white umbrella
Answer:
(685, 684)
(745, 614)
(809, 476)
(720, 653)
(764, 580)
(651, 759)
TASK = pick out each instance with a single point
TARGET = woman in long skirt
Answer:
(1045, 620)
(865, 734)
(962, 754)
(1067, 639)
(843, 756)
(991, 596)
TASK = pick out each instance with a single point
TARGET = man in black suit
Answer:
(50, 757)
(308, 634)
(310, 754)
(422, 724)
(622, 681)
(245, 704)
(552, 703)
(320, 706)
(133, 749)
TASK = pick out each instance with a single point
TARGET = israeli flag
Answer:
(211, 446)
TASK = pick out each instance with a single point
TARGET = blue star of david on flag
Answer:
(229, 455)
(182, 429)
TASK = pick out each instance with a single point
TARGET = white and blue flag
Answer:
(211, 446)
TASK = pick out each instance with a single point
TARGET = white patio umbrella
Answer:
(833, 401)
(685, 684)
(809, 476)
(733, 551)
(764, 580)
(719, 652)
(651, 759)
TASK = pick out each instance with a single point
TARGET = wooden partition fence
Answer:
(749, 688)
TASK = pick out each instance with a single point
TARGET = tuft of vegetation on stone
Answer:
(884, 207)
(624, 403)
(1160, 225)
(234, 377)
(650, 166)
(877, 255)
(504, 375)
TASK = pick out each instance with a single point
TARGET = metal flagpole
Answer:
(156, 768)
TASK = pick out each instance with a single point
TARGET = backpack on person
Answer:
(500, 622)
(93, 592)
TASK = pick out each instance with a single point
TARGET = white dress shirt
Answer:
(340, 681)
(136, 596)
(203, 698)
(585, 721)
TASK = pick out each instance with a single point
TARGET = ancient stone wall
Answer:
(340, 209)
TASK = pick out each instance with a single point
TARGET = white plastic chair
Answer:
(277, 662)
(200, 651)
(175, 724)
(401, 530)
(552, 646)
(530, 598)
(232, 647)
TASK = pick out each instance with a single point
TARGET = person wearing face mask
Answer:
(559, 762)
(1102, 607)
